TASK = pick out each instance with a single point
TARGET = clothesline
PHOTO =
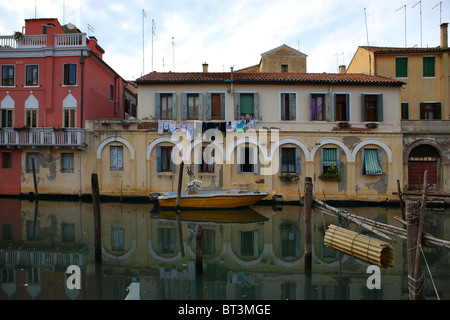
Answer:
(197, 128)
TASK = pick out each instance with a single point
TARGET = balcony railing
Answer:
(40, 41)
(35, 137)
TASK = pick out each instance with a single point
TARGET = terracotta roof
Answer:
(395, 50)
(265, 78)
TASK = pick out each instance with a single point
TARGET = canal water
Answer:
(47, 252)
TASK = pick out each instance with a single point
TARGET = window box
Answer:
(289, 177)
(372, 125)
(344, 124)
(332, 174)
(58, 129)
(22, 128)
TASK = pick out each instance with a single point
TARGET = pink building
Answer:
(53, 78)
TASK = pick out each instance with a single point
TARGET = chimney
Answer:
(205, 67)
(444, 36)
(342, 69)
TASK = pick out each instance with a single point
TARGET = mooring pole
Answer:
(199, 249)
(33, 167)
(180, 181)
(97, 217)
(415, 275)
(308, 204)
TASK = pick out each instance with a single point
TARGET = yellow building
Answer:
(280, 59)
(425, 105)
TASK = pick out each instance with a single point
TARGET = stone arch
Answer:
(115, 139)
(443, 153)
(334, 141)
(376, 142)
(290, 140)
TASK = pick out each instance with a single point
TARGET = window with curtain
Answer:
(164, 161)
(342, 111)
(318, 107)
(371, 161)
(290, 160)
(288, 106)
(193, 105)
(67, 162)
(330, 158)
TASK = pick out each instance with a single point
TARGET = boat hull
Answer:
(212, 201)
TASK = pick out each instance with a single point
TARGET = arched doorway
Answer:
(421, 158)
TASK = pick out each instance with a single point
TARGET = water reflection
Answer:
(248, 254)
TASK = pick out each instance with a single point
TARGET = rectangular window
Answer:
(164, 161)
(247, 104)
(430, 111)
(330, 159)
(248, 243)
(217, 106)
(248, 160)
(428, 67)
(342, 110)
(290, 160)
(6, 160)
(288, 106)
(318, 107)
(116, 158)
(111, 92)
(164, 107)
(67, 232)
(166, 240)
(117, 238)
(401, 67)
(70, 74)
(207, 160)
(193, 106)
(284, 68)
(405, 110)
(31, 118)
(371, 161)
(69, 117)
(32, 75)
(7, 118)
(7, 76)
(30, 157)
(372, 107)
(67, 162)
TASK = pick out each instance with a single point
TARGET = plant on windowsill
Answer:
(372, 125)
(57, 129)
(289, 177)
(22, 128)
(344, 124)
(332, 174)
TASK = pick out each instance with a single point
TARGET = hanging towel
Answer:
(160, 127)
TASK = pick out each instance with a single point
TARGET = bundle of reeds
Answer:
(360, 246)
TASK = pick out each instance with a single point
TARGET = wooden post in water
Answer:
(33, 167)
(97, 217)
(180, 181)
(308, 238)
(199, 249)
(415, 275)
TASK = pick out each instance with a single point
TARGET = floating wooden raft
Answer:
(362, 247)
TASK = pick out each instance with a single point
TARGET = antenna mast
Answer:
(404, 6)
(143, 55)
(153, 33)
(367, 31)
(420, 6)
(173, 55)
(440, 11)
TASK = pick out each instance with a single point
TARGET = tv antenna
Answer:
(420, 6)
(440, 11)
(153, 33)
(90, 28)
(143, 55)
(367, 31)
(404, 6)
(173, 55)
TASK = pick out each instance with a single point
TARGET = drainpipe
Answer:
(82, 61)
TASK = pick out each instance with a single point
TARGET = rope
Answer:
(429, 271)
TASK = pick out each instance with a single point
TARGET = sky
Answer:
(140, 36)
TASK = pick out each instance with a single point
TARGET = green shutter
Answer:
(329, 157)
(401, 67)
(247, 104)
(428, 67)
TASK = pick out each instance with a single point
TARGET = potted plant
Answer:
(332, 174)
(372, 125)
(18, 36)
(289, 177)
(22, 128)
(344, 124)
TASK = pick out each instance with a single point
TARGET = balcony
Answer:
(40, 41)
(43, 137)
